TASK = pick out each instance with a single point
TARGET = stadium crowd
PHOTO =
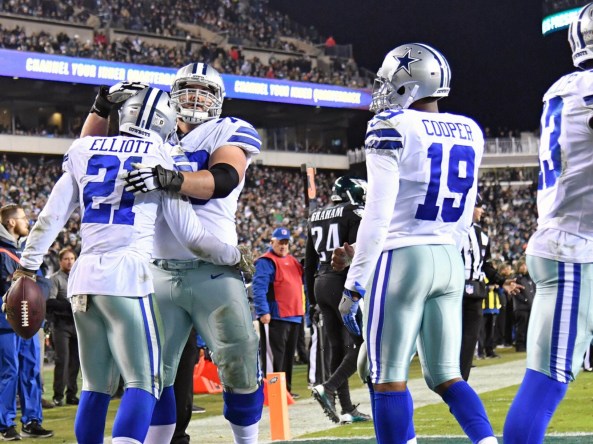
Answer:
(136, 50)
(252, 22)
(244, 23)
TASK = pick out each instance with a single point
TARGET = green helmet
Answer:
(349, 189)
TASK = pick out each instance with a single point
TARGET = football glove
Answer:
(108, 97)
(314, 313)
(122, 91)
(145, 179)
(245, 265)
(348, 309)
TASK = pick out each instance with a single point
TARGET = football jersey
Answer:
(117, 227)
(422, 173)
(329, 228)
(565, 185)
(217, 215)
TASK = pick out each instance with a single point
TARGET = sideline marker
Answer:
(278, 407)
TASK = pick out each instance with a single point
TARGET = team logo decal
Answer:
(405, 61)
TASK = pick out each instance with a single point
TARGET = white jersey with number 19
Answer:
(422, 174)
(565, 185)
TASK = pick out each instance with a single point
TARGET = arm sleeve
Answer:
(493, 276)
(383, 187)
(60, 205)
(188, 230)
(311, 263)
(353, 224)
(263, 276)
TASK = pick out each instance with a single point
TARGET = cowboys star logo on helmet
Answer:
(405, 61)
(398, 84)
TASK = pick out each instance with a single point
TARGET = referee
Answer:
(478, 266)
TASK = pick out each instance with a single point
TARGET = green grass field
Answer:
(574, 416)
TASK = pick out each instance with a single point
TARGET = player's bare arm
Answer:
(225, 171)
(218, 180)
(94, 125)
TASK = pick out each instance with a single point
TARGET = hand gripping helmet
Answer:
(197, 93)
(580, 36)
(148, 113)
(349, 189)
(409, 73)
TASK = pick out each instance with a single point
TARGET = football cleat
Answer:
(327, 400)
(354, 416)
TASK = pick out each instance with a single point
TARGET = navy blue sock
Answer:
(165, 410)
(134, 414)
(392, 417)
(468, 410)
(372, 393)
(243, 409)
(411, 431)
(532, 409)
(89, 425)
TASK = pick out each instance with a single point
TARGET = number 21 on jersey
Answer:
(458, 177)
(95, 192)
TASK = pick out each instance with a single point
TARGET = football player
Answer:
(111, 289)
(560, 252)
(219, 150)
(422, 185)
(329, 228)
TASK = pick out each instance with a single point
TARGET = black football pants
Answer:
(343, 346)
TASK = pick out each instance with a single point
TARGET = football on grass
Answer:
(25, 307)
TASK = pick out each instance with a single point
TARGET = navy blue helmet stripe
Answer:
(141, 113)
(153, 109)
(571, 36)
(194, 68)
(204, 68)
(579, 31)
(440, 60)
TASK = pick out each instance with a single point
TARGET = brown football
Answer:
(25, 307)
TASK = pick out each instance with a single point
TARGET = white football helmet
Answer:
(197, 93)
(148, 113)
(580, 36)
(409, 73)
